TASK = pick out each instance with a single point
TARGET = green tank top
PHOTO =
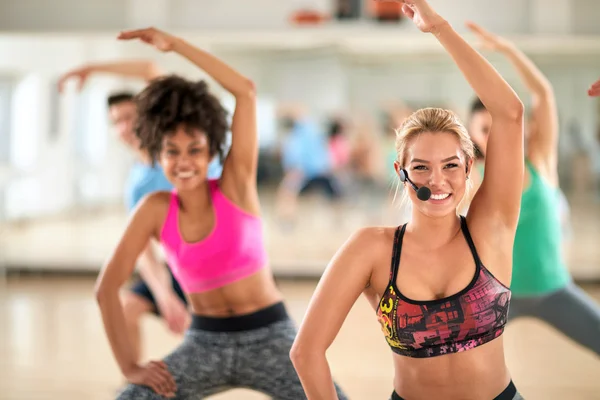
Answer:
(538, 259)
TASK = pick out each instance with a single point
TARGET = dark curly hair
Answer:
(170, 101)
(120, 97)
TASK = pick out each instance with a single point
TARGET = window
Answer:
(53, 111)
(6, 92)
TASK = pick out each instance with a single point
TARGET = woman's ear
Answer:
(468, 168)
(397, 168)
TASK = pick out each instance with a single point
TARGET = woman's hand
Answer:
(422, 14)
(81, 74)
(159, 39)
(156, 376)
(487, 39)
(594, 90)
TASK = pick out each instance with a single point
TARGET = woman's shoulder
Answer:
(159, 198)
(155, 203)
(374, 237)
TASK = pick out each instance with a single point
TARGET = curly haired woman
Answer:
(211, 232)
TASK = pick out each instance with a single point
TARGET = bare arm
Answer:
(342, 283)
(141, 69)
(241, 163)
(140, 229)
(499, 195)
(113, 276)
(499, 98)
(543, 142)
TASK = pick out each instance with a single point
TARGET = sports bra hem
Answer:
(416, 353)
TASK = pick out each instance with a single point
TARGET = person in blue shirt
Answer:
(157, 292)
(307, 165)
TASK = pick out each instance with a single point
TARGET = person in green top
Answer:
(541, 285)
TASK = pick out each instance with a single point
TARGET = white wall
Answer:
(41, 15)
(507, 16)
(94, 165)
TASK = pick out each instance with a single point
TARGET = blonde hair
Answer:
(432, 120)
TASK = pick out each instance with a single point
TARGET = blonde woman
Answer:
(443, 302)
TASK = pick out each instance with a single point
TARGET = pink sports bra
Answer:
(233, 250)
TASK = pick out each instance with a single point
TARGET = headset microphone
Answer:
(423, 193)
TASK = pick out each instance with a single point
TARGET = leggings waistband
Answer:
(507, 394)
(238, 323)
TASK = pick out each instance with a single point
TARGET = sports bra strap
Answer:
(396, 250)
(467, 234)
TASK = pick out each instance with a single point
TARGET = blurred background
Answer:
(347, 71)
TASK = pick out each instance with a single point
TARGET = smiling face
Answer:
(437, 161)
(184, 157)
(436, 151)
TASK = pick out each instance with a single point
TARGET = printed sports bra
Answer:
(472, 317)
(233, 250)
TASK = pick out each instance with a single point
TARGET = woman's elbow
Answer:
(101, 293)
(516, 110)
(104, 290)
(296, 353)
(299, 355)
(153, 71)
(247, 89)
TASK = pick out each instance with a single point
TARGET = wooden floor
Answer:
(52, 346)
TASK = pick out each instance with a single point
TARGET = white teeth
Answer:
(187, 174)
(440, 196)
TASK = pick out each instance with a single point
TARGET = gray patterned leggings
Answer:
(210, 362)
